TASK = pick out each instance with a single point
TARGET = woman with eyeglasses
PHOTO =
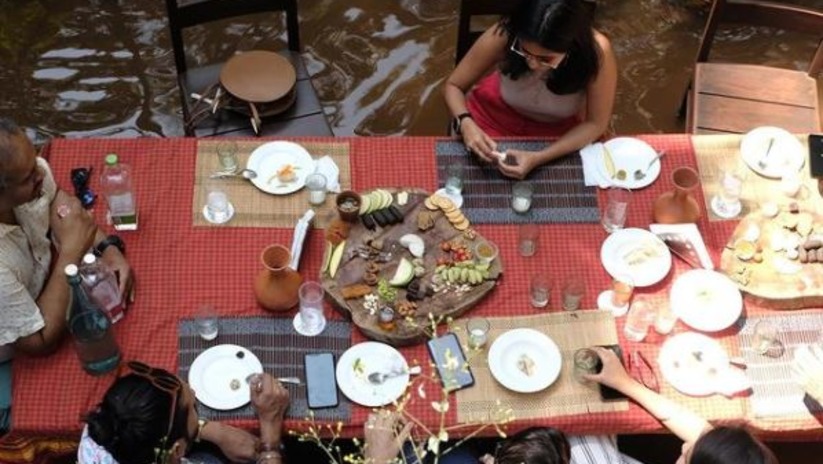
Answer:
(149, 416)
(544, 72)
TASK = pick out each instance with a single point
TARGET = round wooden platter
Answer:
(446, 302)
(779, 280)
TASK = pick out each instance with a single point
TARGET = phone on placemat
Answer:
(450, 362)
(609, 393)
(816, 155)
(321, 386)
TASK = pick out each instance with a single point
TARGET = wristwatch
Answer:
(111, 240)
(201, 423)
(458, 121)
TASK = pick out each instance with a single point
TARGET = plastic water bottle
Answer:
(117, 187)
(91, 329)
(101, 284)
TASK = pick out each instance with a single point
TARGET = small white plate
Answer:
(693, 363)
(270, 157)
(362, 359)
(524, 360)
(630, 154)
(218, 376)
(786, 153)
(706, 300)
(638, 253)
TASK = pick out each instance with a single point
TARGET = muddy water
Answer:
(104, 67)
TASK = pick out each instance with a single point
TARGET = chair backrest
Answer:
(466, 36)
(187, 13)
(768, 14)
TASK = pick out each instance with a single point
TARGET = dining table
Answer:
(181, 264)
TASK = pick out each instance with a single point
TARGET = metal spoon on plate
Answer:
(640, 175)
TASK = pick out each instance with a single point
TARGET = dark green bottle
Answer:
(91, 329)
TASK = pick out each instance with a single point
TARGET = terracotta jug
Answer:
(679, 205)
(276, 286)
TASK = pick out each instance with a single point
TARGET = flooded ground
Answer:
(104, 67)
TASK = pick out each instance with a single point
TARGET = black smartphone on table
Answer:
(816, 155)
(321, 385)
(609, 393)
(450, 362)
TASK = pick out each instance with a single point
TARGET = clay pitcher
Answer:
(679, 205)
(276, 286)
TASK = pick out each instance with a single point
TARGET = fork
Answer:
(640, 175)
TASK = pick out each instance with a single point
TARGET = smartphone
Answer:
(450, 362)
(609, 393)
(816, 155)
(321, 386)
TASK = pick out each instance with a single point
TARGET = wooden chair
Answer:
(305, 117)
(735, 98)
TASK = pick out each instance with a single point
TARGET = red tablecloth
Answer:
(179, 267)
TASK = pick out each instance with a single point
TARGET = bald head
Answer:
(9, 132)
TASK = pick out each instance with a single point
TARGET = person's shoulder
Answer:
(603, 41)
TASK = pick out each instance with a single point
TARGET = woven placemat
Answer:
(280, 350)
(570, 330)
(717, 152)
(559, 193)
(775, 393)
(254, 208)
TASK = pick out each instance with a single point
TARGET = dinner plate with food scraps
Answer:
(355, 365)
(638, 253)
(218, 376)
(696, 365)
(706, 300)
(772, 151)
(629, 163)
(524, 360)
(282, 167)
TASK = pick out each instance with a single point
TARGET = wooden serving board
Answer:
(777, 282)
(444, 303)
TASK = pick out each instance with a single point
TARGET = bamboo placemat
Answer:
(254, 208)
(570, 330)
(717, 152)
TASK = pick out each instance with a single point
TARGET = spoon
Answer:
(640, 175)
(378, 378)
(248, 174)
(762, 161)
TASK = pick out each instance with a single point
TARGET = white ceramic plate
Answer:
(218, 376)
(706, 300)
(524, 360)
(786, 153)
(693, 363)
(270, 157)
(362, 359)
(630, 154)
(638, 253)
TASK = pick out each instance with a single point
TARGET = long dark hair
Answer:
(535, 445)
(132, 420)
(562, 26)
(730, 445)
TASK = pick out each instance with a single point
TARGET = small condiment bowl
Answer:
(485, 252)
(350, 213)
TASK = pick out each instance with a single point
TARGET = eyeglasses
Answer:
(550, 61)
(80, 180)
(162, 380)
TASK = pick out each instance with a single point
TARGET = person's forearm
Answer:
(455, 99)
(578, 137)
(54, 304)
(271, 431)
(680, 420)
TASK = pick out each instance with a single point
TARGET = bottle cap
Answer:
(89, 258)
(111, 159)
(71, 270)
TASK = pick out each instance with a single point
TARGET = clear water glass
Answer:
(617, 207)
(478, 331)
(227, 155)
(640, 317)
(726, 203)
(522, 192)
(527, 237)
(218, 208)
(586, 361)
(573, 291)
(207, 322)
(540, 290)
(316, 185)
(311, 318)
(454, 179)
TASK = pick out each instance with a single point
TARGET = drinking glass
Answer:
(640, 317)
(454, 179)
(617, 298)
(218, 209)
(527, 238)
(573, 291)
(310, 320)
(478, 330)
(316, 185)
(617, 206)
(790, 183)
(766, 340)
(522, 196)
(665, 320)
(540, 290)
(726, 203)
(206, 322)
(227, 155)
(485, 252)
(585, 362)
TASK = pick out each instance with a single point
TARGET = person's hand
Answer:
(478, 142)
(487, 459)
(525, 162)
(807, 367)
(613, 373)
(383, 440)
(238, 445)
(73, 227)
(114, 260)
(269, 398)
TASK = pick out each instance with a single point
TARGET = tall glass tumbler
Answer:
(310, 320)
(617, 208)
